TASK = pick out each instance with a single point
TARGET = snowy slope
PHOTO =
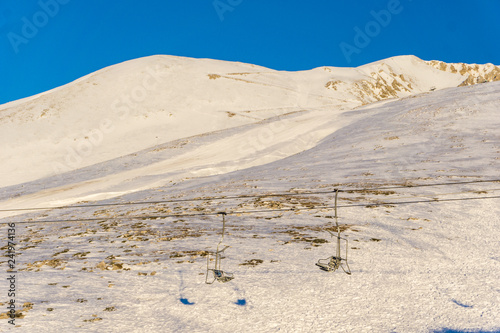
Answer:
(142, 103)
(419, 267)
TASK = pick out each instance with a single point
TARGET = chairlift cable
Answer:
(243, 196)
(151, 217)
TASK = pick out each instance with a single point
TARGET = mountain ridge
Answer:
(475, 73)
(149, 101)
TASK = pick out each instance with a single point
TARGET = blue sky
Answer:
(47, 43)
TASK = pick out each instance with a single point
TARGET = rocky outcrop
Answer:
(473, 73)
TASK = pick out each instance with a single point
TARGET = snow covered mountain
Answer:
(150, 101)
(147, 132)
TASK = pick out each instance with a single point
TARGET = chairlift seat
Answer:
(332, 265)
(221, 276)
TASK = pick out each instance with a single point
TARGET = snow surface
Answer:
(422, 267)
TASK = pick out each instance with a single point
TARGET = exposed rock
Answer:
(473, 73)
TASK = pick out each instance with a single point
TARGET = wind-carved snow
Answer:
(164, 127)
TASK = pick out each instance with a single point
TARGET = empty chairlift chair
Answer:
(331, 264)
(218, 273)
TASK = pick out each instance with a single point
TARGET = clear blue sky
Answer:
(47, 43)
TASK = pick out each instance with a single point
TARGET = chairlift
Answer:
(331, 264)
(218, 273)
